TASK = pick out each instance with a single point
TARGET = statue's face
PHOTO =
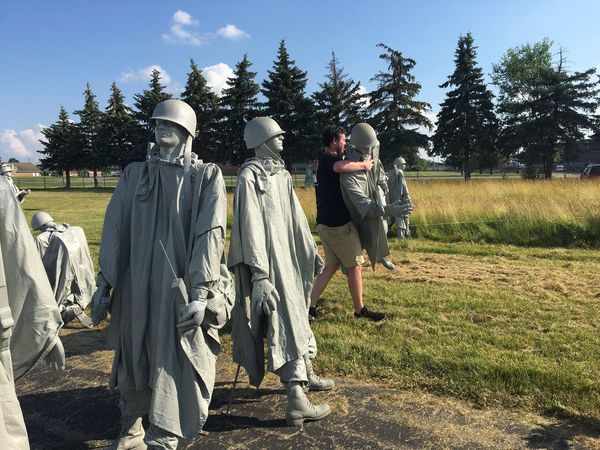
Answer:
(275, 143)
(169, 134)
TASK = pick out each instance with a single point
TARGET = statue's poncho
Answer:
(360, 191)
(28, 313)
(66, 257)
(270, 234)
(397, 188)
(31, 300)
(155, 200)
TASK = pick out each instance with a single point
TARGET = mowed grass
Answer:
(495, 324)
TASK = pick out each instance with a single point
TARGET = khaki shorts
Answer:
(341, 244)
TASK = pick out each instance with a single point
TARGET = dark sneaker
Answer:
(313, 314)
(365, 313)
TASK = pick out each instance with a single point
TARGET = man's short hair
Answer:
(331, 133)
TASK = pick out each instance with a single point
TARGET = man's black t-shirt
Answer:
(331, 210)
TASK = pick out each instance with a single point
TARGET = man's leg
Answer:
(354, 275)
(322, 280)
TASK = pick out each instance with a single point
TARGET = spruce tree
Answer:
(286, 102)
(545, 109)
(467, 126)
(205, 103)
(90, 118)
(339, 102)
(62, 146)
(238, 105)
(121, 137)
(397, 116)
(148, 99)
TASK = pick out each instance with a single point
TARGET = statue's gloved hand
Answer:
(264, 296)
(56, 357)
(192, 314)
(393, 208)
(100, 304)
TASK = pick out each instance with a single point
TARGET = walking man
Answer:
(339, 236)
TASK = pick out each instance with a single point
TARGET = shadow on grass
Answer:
(560, 435)
(68, 419)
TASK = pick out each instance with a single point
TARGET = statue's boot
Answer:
(315, 382)
(131, 436)
(299, 408)
(71, 312)
(388, 264)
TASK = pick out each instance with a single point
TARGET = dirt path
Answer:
(75, 410)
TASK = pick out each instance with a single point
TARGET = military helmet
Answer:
(363, 136)
(399, 160)
(259, 130)
(40, 219)
(176, 111)
(5, 169)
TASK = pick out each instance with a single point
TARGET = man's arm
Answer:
(345, 166)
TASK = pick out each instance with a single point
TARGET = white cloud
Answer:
(232, 32)
(184, 18)
(363, 91)
(144, 74)
(180, 32)
(183, 30)
(22, 145)
(216, 76)
(175, 89)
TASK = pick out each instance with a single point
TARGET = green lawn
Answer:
(495, 324)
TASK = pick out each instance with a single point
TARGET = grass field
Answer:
(496, 324)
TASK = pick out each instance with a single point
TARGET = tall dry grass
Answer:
(560, 212)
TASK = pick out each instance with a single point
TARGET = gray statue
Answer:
(66, 257)
(309, 177)
(397, 190)
(162, 254)
(364, 196)
(29, 317)
(275, 259)
(6, 171)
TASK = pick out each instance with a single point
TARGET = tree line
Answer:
(541, 111)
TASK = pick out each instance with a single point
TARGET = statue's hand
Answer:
(56, 357)
(100, 304)
(264, 296)
(192, 315)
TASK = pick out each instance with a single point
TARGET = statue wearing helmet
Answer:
(6, 171)
(398, 191)
(274, 256)
(66, 257)
(364, 195)
(29, 317)
(167, 214)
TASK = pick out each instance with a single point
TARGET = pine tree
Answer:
(396, 115)
(467, 126)
(62, 146)
(339, 102)
(121, 137)
(545, 109)
(288, 105)
(90, 118)
(149, 98)
(205, 103)
(239, 104)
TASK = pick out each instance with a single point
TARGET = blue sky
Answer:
(50, 49)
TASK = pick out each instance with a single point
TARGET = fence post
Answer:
(44, 183)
